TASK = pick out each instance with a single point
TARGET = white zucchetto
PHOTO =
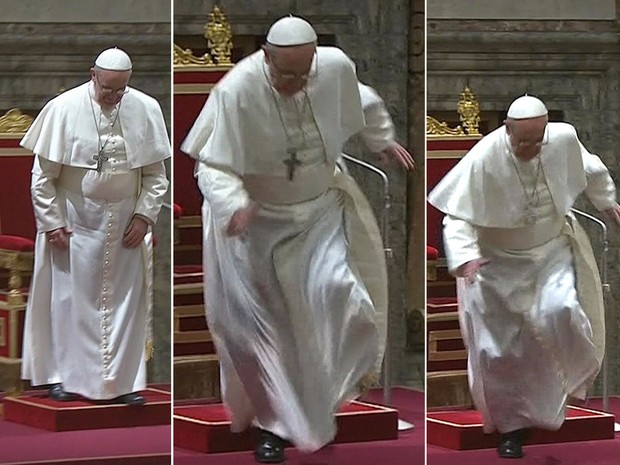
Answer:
(113, 59)
(290, 31)
(527, 107)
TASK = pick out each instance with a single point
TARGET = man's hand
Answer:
(399, 154)
(614, 213)
(59, 237)
(241, 219)
(468, 270)
(135, 232)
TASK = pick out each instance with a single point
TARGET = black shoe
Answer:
(133, 399)
(511, 444)
(270, 448)
(56, 392)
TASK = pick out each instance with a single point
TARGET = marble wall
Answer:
(49, 46)
(375, 35)
(573, 65)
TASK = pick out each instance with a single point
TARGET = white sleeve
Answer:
(600, 187)
(48, 211)
(223, 191)
(378, 132)
(152, 191)
(460, 242)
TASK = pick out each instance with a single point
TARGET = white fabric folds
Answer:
(64, 131)
(297, 306)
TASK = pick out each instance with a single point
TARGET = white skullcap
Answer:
(113, 59)
(289, 31)
(526, 107)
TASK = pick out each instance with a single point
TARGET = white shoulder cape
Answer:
(240, 116)
(64, 131)
(483, 189)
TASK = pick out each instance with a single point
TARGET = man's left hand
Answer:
(614, 213)
(399, 154)
(135, 232)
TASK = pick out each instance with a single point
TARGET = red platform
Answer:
(206, 428)
(39, 411)
(462, 429)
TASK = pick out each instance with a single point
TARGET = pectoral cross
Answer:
(291, 163)
(100, 158)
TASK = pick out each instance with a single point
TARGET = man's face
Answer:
(110, 86)
(289, 67)
(527, 136)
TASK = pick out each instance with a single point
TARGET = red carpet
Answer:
(407, 449)
(39, 411)
(599, 452)
(148, 445)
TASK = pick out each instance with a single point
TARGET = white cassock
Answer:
(533, 318)
(297, 307)
(88, 317)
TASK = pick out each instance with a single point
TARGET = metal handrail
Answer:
(384, 225)
(606, 291)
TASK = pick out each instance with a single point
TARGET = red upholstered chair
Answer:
(17, 230)
(177, 211)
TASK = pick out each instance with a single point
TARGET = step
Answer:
(448, 388)
(441, 289)
(39, 411)
(190, 236)
(196, 377)
(462, 429)
(193, 343)
(188, 274)
(189, 318)
(188, 222)
(206, 428)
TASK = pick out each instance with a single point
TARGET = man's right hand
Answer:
(59, 237)
(468, 270)
(241, 219)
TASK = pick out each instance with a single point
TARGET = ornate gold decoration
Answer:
(218, 33)
(219, 37)
(16, 262)
(186, 57)
(435, 128)
(469, 110)
(15, 122)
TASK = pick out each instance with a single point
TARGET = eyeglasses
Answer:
(286, 76)
(528, 143)
(108, 90)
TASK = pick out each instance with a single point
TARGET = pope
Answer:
(98, 182)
